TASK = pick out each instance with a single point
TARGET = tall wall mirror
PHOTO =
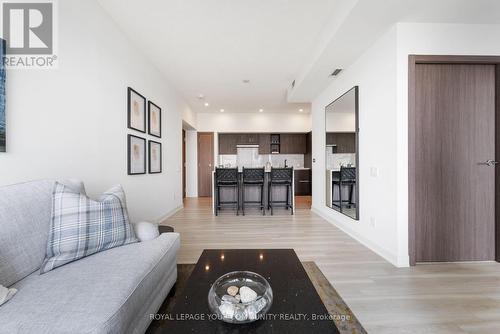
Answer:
(341, 149)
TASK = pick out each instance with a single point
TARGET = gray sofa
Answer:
(114, 291)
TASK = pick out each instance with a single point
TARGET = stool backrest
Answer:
(253, 174)
(347, 174)
(226, 174)
(281, 174)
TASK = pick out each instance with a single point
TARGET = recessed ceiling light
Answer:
(261, 110)
(301, 110)
(207, 104)
(222, 110)
(201, 96)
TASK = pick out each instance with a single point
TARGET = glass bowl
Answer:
(249, 298)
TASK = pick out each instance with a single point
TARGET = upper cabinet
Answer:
(227, 143)
(264, 143)
(289, 143)
(248, 139)
(293, 143)
(344, 142)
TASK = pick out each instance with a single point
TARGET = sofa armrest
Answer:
(145, 231)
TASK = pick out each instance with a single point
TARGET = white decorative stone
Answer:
(260, 304)
(227, 310)
(241, 314)
(252, 312)
(232, 290)
(238, 298)
(230, 299)
(254, 308)
(247, 295)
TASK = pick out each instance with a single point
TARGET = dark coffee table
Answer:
(297, 307)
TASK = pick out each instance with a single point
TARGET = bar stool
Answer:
(226, 178)
(281, 177)
(347, 178)
(253, 177)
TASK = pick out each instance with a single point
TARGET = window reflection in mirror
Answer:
(341, 149)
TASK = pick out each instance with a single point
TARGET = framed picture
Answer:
(154, 119)
(154, 157)
(136, 105)
(136, 147)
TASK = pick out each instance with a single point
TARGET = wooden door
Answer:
(205, 163)
(183, 163)
(454, 195)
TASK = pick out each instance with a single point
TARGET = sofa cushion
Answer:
(24, 226)
(25, 210)
(81, 226)
(102, 293)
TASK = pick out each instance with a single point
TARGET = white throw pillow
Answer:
(146, 231)
(6, 294)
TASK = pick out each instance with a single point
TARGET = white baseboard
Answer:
(170, 214)
(387, 255)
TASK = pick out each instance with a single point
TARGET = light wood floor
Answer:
(438, 298)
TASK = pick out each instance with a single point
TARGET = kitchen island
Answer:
(252, 193)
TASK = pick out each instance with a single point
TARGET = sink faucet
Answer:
(285, 163)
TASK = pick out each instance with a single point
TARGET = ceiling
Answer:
(363, 21)
(209, 47)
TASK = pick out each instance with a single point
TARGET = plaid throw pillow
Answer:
(81, 226)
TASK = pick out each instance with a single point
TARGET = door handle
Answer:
(489, 162)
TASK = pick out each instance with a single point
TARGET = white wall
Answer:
(382, 76)
(340, 122)
(72, 121)
(430, 39)
(375, 74)
(254, 122)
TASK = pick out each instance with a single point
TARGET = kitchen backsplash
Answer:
(335, 160)
(260, 160)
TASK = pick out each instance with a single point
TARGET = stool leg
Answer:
(262, 199)
(269, 196)
(243, 199)
(340, 197)
(237, 191)
(351, 190)
(271, 199)
(291, 200)
(217, 199)
(287, 198)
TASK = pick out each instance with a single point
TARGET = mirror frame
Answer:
(356, 127)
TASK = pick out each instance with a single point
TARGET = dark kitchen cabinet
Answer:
(345, 141)
(264, 143)
(227, 143)
(302, 182)
(248, 139)
(308, 155)
(293, 143)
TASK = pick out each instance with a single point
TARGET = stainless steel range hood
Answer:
(247, 146)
